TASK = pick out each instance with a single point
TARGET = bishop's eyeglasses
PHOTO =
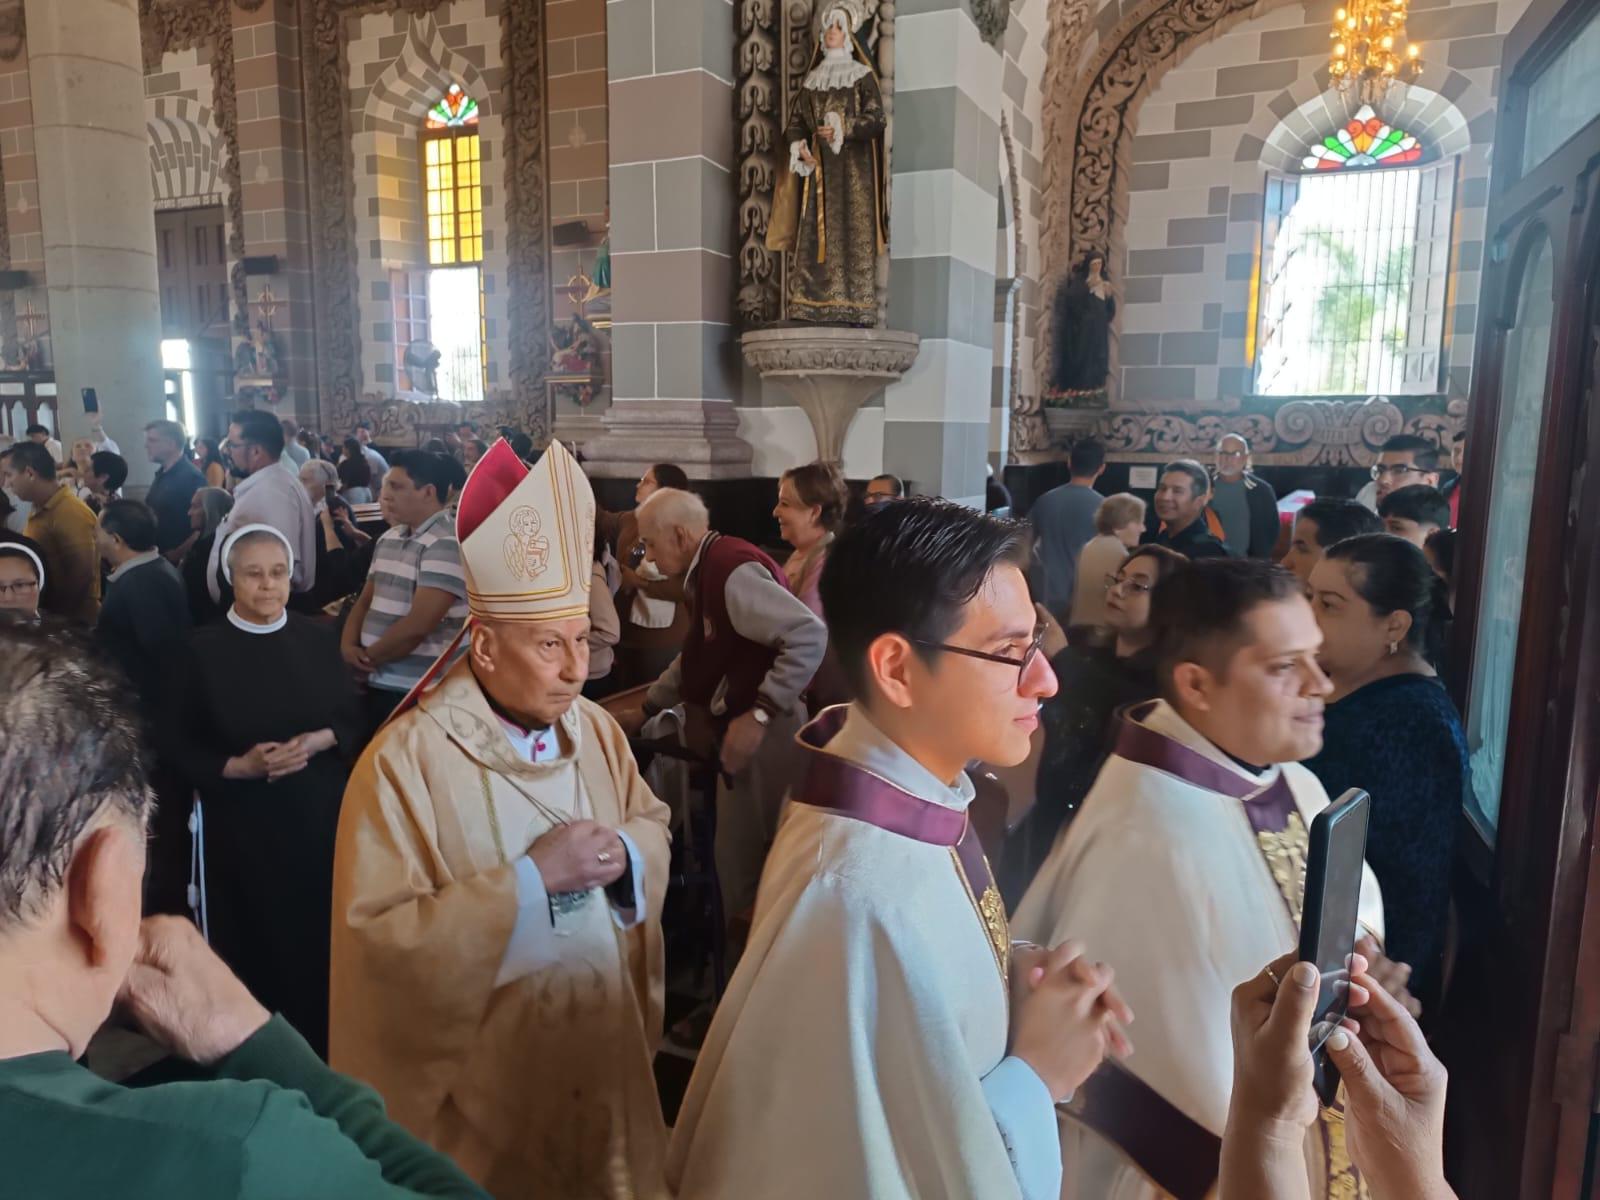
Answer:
(1021, 664)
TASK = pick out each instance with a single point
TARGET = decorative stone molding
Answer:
(1069, 19)
(324, 53)
(1028, 432)
(829, 372)
(168, 25)
(1287, 433)
(991, 17)
(527, 213)
(756, 106)
(701, 436)
(13, 31)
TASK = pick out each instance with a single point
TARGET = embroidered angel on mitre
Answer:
(829, 204)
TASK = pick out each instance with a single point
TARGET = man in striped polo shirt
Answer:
(415, 601)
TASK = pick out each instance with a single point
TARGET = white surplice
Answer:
(860, 1050)
(1166, 881)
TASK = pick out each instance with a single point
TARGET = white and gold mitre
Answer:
(527, 536)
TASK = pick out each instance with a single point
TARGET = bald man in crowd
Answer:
(752, 649)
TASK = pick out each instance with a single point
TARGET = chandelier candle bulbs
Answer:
(1367, 58)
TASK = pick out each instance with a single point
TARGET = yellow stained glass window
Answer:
(453, 193)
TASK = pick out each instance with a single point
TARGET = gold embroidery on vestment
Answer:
(1285, 852)
(991, 910)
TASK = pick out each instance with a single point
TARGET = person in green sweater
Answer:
(257, 1114)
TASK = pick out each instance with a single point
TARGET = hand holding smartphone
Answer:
(1329, 917)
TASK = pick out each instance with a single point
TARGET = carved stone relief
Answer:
(757, 110)
(1295, 433)
(1027, 428)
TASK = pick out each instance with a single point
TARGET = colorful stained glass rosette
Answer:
(454, 109)
(1367, 141)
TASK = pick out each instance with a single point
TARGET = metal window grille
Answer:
(1354, 273)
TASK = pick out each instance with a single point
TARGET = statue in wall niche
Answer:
(1081, 330)
(828, 208)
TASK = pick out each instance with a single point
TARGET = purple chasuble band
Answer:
(1268, 807)
(842, 787)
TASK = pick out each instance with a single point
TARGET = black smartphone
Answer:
(91, 402)
(1328, 919)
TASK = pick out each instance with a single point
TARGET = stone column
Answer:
(944, 173)
(272, 176)
(675, 357)
(87, 87)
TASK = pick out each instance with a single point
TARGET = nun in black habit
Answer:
(265, 724)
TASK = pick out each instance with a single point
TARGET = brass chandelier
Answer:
(1370, 49)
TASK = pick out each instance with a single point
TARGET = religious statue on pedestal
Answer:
(828, 208)
(1081, 330)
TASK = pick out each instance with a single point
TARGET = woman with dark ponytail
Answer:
(1391, 729)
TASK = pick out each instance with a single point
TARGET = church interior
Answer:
(1150, 223)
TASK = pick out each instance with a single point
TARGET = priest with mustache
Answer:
(496, 951)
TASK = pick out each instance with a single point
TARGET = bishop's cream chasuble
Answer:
(847, 1058)
(541, 1087)
(1185, 872)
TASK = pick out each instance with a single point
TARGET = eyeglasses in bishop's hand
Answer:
(1021, 664)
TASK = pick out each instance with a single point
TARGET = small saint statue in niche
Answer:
(828, 208)
(1081, 330)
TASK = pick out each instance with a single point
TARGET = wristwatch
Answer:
(762, 716)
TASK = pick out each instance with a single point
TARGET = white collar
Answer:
(138, 560)
(531, 745)
(861, 742)
(239, 622)
(838, 69)
(698, 551)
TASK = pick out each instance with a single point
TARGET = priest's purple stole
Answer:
(835, 785)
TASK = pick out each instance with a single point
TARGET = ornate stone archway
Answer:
(1091, 132)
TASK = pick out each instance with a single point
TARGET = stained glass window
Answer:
(1366, 141)
(453, 207)
(455, 108)
(452, 184)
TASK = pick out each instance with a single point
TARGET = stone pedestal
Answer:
(829, 372)
(86, 77)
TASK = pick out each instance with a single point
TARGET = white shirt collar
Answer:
(239, 622)
(138, 560)
(531, 745)
(698, 551)
(861, 742)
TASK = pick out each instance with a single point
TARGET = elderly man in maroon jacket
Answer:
(752, 648)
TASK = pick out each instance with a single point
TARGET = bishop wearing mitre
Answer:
(496, 950)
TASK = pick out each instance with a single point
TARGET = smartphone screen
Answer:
(1333, 905)
(91, 401)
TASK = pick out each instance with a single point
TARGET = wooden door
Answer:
(1520, 1027)
(192, 271)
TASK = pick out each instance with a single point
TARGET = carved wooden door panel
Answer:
(1520, 1026)
(192, 271)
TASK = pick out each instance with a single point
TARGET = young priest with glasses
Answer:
(920, 1051)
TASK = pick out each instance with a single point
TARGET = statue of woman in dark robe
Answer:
(1081, 328)
(834, 134)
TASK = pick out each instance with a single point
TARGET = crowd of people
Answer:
(359, 734)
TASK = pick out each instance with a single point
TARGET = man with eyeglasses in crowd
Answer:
(920, 1051)
(1403, 460)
